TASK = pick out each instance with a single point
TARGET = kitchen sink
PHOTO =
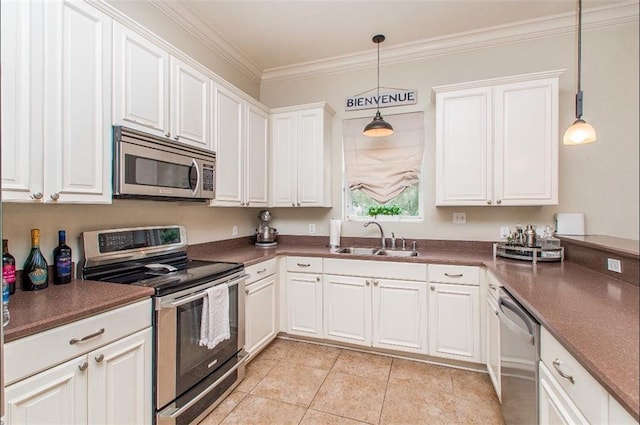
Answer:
(376, 251)
(393, 253)
(358, 251)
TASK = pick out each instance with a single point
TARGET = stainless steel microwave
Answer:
(150, 167)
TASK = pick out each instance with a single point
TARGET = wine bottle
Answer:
(62, 260)
(8, 267)
(34, 272)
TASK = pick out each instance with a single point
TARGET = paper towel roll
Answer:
(334, 232)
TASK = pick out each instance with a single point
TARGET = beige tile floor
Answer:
(293, 382)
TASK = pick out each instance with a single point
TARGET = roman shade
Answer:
(384, 167)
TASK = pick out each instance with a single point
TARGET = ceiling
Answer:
(267, 36)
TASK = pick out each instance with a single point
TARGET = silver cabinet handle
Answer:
(489, 201)
(261, 271)
(247, 204)
(293, 205)
(298, 204)
(368, 283)
(84, 338)
(433, 288)
(499, 201)
(556, 365)
(492, 286)
(246, 291)
(55, 196)
(375, 283)
(304, 265)
(99, 358)
(83, 366)
(497, 313)
(36, 195)
(318, 279)
(457, 275)
(168, 134)
(176, 137)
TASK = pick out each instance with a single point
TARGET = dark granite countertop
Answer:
(594, 316)
(36, 311)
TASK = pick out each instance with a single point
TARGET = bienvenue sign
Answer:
(386, 99)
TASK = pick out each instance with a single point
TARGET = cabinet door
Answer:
(256, 163)
(463, 154)
(228, 134)
(260, 313)
(21, 153)
(55, 396)
(190, 105)
(454, 321)
(347, 309)
(310, 158)
(77, 108)
(493, 343)
(304, 304)
(284, 180)
(526, 143)
(400, 315)
(120, 381)
(141, 91)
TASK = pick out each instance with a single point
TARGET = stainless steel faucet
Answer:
(383, 243)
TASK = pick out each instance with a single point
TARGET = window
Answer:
(382, 175)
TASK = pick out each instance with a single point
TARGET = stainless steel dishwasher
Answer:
(519, 356)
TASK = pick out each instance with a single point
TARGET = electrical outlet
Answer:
(459, 218)
(234, 230)
(312, 228)
(614, 265)
(504, 232)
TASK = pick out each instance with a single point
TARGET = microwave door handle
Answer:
(194, 165)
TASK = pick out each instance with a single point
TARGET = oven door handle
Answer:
(243, 357)
(201, 294)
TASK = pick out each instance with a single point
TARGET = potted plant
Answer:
(392, 210)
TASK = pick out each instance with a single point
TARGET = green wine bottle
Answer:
(34, 272)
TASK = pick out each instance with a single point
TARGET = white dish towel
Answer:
(214, 326)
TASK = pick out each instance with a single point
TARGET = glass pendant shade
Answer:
(580, 133)
(378, 127)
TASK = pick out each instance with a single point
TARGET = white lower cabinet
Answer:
(107, 380)
(260, 306)
(454, 312)
(555, 407)
(304, 296)
(375, 311)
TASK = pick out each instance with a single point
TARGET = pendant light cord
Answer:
(579, 44)
(378, 91)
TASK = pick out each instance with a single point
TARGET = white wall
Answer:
(600, 179)
(204, 224)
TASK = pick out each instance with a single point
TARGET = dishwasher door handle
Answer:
(505, 303)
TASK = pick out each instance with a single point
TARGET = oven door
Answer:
(181, 363)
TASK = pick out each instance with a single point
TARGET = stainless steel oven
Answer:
(189, 379)
(183, 396)
(146, 166)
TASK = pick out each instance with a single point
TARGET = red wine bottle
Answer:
(8, 267)
(62, 260)
(34, 272)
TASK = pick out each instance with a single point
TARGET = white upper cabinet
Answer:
(300, 154)
(190, 105)
(141, 91)
(241, 144)
(56, 97)
(158, 93)
(497, 141)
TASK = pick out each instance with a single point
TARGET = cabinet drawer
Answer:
(585, 391)
(304, 264)
(32, 354)
(260, 270)
(493, 286)
(467, 275)
(378, 269)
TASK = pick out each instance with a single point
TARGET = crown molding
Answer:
(619, 13)
(183, 15)
(534, 29)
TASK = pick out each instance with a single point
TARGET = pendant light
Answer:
(580, 132)
(378, 127)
